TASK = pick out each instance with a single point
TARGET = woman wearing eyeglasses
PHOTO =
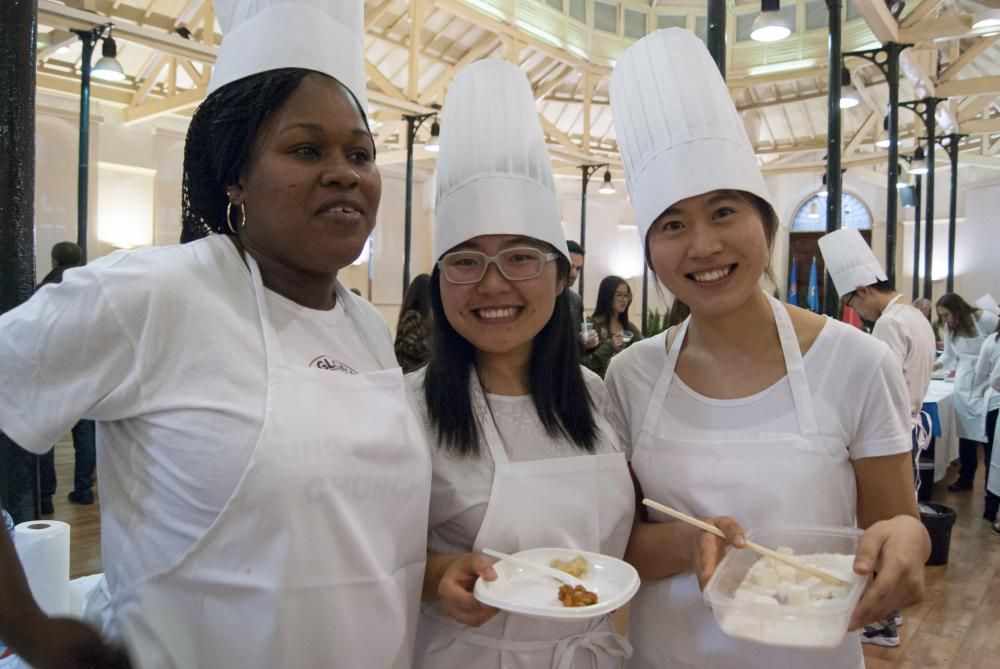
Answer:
(615, 331)
(521, 456)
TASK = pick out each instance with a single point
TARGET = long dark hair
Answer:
(559, 393)
(964, 313)
(219, 141)
(605, 309)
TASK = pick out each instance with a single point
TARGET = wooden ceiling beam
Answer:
(966, 57)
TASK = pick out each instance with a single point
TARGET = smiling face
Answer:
(311, 188)
(710, 251)
(497, 315)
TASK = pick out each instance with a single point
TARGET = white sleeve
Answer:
(883, 424)
(892, 333)
(617, 409)
(64, 355)
(948, 358)
(982, 372)
(995, 372)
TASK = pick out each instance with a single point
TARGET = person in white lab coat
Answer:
(750, 408)
(860, 280)
(522, 457)
(263, 478)
(965, 330)
(988, 377)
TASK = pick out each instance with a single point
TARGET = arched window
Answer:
(811, 215)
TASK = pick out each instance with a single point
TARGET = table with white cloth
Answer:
(938, 403)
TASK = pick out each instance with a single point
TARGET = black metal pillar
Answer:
(586, 171)
(716, 36)
(413, 123)
(19, 18)
(916, 236)
(887, 60)
(951, 147)
(834, 182)
(925, 109)
(88, 38)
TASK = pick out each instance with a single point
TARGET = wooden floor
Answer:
(956, 627)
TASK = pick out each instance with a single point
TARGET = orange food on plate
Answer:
(576, 596)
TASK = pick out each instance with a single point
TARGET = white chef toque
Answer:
(849, 260)
(494, 172)
(987, 303)
(678, 131)
(326, 36)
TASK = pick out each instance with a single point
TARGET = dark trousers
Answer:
(85, 448)
(968, 452)
(992, 501)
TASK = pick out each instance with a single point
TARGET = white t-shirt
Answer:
(318, 338)
(163, 347)
(910, 337)
(857, 390)
(461, 485)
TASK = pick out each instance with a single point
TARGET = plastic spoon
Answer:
(568, 579)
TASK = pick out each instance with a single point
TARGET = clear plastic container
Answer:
(820, 624)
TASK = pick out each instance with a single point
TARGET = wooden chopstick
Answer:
(763, 550)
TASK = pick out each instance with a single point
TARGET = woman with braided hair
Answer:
(264, 481)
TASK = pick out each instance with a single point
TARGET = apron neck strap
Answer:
(798, 382)
(272, 348)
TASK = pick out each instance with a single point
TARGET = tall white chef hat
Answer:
(678, 131)
(987, 303)
(849, 260)
(322, 35)
(494, 172)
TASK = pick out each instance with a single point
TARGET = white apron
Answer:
(969, 397)
(769, 482)
(585, 502)
(317, 559)
(993, 473)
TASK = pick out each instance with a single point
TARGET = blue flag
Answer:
(813, 296)
(793, 285)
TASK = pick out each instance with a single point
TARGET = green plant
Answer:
(655, 323)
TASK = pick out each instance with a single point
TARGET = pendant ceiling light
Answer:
(770, 25)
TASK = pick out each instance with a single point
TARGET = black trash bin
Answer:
(938, 519)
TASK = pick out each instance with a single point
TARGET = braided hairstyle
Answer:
(219, 142)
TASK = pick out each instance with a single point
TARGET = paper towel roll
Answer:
(43, 547)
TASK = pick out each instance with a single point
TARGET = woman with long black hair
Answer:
(522, 457)
(615, 332)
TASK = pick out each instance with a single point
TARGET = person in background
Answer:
(588, 337)
(926, 307)
(965, 330)
(988, 377)
(66, 255)
(522, 455)
(615, 332)
(750, 407)
(863, 285)
(415, 327)
(264, 479)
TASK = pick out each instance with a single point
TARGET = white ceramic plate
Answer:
(520, 590)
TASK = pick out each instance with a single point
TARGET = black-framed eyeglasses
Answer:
(516, 264)
(847, 300)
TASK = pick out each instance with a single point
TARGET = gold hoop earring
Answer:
(229, 218)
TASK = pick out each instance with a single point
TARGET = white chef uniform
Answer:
(681, 137)
(495, 177)
(961, 354)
